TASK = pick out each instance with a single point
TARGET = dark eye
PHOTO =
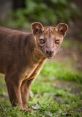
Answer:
(42, 41)
(57, 41)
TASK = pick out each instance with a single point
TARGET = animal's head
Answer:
(49, 38)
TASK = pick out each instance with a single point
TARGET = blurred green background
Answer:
(19, 13)
(57, 92)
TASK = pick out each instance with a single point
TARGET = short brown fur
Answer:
(22, 56)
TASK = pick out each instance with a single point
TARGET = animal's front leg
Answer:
(13, 86)
(25, 90)
(26, 84)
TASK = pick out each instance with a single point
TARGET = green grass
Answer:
(61, 71)
(48, 99)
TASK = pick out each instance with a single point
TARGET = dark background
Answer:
(21, 13)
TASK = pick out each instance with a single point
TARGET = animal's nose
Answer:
(49, 52)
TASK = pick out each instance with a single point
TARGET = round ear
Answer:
(62, 28)
(37, 28)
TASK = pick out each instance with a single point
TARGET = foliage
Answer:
(46, 11)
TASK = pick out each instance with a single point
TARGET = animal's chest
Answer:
(33, 71)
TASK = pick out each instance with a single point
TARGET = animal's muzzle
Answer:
(49, 53)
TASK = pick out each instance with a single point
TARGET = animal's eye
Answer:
(57, 41)
(42, 41)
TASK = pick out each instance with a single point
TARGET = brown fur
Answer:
(22, 57)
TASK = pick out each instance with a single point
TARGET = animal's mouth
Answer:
(49, 57)
(47, 54)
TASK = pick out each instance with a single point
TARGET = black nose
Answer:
(49, 52)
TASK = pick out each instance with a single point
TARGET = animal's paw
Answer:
(26, 109)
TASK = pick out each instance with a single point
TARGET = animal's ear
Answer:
(37, 28)
(62, 28)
